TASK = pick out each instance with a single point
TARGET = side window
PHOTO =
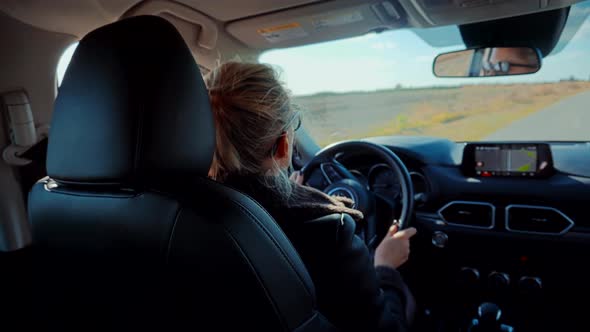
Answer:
(64, 61)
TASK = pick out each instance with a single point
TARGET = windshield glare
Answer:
(382, 84)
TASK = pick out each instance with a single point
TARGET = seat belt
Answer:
(20, 125)
(36, 169)
(17, 128)
(26, 153)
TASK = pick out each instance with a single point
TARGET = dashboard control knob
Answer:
(489, 314)
(469, 277)
(488, 320)
(440, 239)
(530, 285)
(498, 280)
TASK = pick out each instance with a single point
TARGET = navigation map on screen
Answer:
(506, 159)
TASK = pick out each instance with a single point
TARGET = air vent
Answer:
(537, 220)
(468, 214)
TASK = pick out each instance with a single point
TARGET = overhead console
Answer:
(524, 160)
(428, 13)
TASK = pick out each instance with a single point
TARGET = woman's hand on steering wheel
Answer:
(394, 250)
(343, 183)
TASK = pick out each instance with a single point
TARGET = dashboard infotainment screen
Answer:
(503, 159)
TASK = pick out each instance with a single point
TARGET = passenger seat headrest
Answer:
(132, 108)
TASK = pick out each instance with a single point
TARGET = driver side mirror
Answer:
(488, 61)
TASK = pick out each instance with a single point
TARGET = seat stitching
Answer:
(257, 222)
(309, 320)
(260, 280)
(224, 186)
(255, 219)
(97, 195)
(169, 247)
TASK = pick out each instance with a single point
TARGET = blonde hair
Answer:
(252, 109)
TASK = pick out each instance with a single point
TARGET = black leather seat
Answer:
(129, 234)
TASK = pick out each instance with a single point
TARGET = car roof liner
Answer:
(541, 30)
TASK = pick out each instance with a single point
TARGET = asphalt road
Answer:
(566, 120)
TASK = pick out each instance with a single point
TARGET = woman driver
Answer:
(255, 125)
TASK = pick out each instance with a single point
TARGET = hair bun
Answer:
(251, 109)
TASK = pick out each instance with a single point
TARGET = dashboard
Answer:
(552, 175)
(505, 222)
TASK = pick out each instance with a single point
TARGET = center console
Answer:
(491, 234)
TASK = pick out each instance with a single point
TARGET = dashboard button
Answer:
(440, 239)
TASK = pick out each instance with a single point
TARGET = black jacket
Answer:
(351, 293)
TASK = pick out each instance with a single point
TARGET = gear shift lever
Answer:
(488, 319)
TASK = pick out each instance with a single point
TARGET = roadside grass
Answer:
(472, 113)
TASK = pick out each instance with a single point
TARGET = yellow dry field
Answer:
(457, 113)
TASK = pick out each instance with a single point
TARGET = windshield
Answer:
(382, 84)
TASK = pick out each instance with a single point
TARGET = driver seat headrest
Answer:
(129, 235)
(132, 105)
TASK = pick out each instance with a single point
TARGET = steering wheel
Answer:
(343, 183)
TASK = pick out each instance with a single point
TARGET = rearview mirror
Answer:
(489, 61)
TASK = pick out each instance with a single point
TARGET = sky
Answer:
(382, 61)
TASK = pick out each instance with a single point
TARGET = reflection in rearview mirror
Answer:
(489, 61)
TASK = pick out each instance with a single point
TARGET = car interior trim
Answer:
(493, 217)
(507, 219)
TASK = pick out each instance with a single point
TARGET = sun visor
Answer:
(541, 30)
(317, 23)
(428, 13)
(229, 10)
